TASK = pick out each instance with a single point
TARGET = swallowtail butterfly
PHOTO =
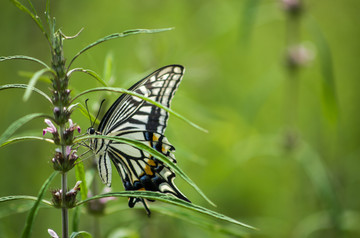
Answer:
(133, 118)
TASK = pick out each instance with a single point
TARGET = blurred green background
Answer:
(282, 152)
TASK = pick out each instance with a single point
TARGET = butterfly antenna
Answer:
(98, 111)
(87, 109)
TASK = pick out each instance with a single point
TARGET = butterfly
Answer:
(133, 118)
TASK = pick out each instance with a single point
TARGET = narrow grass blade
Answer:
(121, 90)
(205, 222)
(27, 87)
(171, 200)
(80, 234)
(86, 114)
(118, 35)
(34, 17)
(23, 197)
(33, 212)
(108, 67)
(330, 100)
(76, 219)
(318, 173)
(80, 176)
(154, 153)
(29, 74)
(17, 124)
(32, 83)
(25, 138)
(248, 19)
(89, 72)
(24, 57)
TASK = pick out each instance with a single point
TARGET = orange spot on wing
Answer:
(151, 162)
(148, 170)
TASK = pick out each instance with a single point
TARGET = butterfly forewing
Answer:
(133, 118)
(132, 113)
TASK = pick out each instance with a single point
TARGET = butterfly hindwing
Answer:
(143, 171)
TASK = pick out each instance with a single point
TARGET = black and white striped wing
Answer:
(141, 171)
(134, 118)
(132, 113)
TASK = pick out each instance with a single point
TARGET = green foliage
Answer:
(121, 90)
(283, 148)
(17, 124)
(34, 210)
(171, 200)
(154, 153)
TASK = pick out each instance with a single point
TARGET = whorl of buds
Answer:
(70, 197)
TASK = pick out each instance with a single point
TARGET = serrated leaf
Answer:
(27, 87)
(33, 212)
(24, 57)
(163, 158)
(89, 72)
(121, 90)
(17, 124)
(32, 83)
(118, 35)
(171, 200)
(25, 138)
(80, 234)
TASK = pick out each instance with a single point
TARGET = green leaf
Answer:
(80, 234)
(118, 35)
(23, 197)
(18, 206)
(33, 212)
(17, 124)
(24, 57)
(86, 114)
(34, 17)
(189, 216)
(76, 219)
(171, 200)
(32, 83)
(25, 138)
(152, 152)
(330, 101)
(121, 90)
(80, 176)
(29, 74)
(108, 67)
(89, 72)
(27, 87)
(248, 19)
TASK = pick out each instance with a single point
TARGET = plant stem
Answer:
(64, 210)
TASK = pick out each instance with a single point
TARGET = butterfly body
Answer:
(133, 118)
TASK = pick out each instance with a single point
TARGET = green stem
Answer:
(64, 210)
